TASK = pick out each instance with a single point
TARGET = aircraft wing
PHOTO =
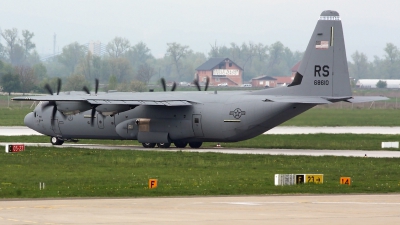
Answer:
(115, 99)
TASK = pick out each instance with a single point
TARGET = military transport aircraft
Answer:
(162, 118)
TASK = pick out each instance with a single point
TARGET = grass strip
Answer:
(296, 141)
(346, 117)
(75, 172)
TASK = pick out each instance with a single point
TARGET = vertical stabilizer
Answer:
(323, 70)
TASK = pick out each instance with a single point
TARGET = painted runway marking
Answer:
(252, 203)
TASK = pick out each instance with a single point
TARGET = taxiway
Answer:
(296, 209)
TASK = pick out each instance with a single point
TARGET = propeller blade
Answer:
(53, 114)
(207, 83)
(48, 88)
(58, 85)
(92, 115)
(173, 87)
(196, 82)
(97, 86)
(85, 89)
(164, 86)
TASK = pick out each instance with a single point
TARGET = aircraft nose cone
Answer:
(29, 120)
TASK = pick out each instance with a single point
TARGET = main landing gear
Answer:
(178, 144)
(56, 141)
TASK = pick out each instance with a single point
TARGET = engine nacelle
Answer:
(72, 107)
(127, 129)
(109, 110)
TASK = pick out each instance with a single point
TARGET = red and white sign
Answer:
(15, 148)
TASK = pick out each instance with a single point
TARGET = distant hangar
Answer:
(371, 83)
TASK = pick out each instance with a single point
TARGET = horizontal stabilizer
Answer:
(360, 99)
(297, 99)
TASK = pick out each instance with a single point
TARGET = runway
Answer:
(297, 209)
(22, 130)
(304, 152)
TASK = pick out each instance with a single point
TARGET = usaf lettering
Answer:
(317, 70)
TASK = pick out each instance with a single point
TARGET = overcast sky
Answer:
(368, 24)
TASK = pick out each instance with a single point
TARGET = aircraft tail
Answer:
(323, 70)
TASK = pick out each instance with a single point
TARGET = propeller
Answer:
(196, 82)
(164, 85)
(93, 112)
(86, 89)
(52, 103)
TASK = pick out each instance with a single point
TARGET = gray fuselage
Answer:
(220, 117)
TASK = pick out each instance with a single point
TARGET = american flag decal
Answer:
(322, 45)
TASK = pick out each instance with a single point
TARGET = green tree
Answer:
(392, 60)
(276, 54)
(176, 52)
(112, 83)
(10, 82)
(71, 55)
(53, 82)
(27, 78)
(138, 86)
(56, 69)
(359, 69)
(76, 82)
(139, 54)
(121, 68)
(26, 42)
(145, 73)
(11, 38)
(381, 84)
(2, 53)
(40, 71)
(117, 47)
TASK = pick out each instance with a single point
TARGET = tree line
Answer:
(131, 67)
(387, 67)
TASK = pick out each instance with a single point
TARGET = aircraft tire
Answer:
(195, 144)
(180, 144)
(163, 145)
(56, 141)
(149, 145)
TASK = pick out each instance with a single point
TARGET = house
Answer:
(220, 71)
(283, 81)
(263, 81)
